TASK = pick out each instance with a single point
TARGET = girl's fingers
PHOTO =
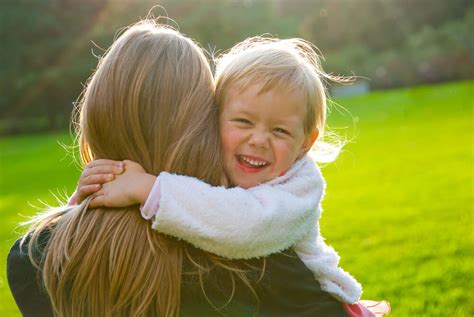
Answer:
(84, 191)
(96, 179)
(102, 169)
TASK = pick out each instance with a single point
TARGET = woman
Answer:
(151, 101)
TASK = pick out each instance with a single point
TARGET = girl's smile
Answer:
(251, 164)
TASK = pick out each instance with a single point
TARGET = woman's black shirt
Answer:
(287, 288)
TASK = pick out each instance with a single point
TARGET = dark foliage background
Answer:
(46, 51)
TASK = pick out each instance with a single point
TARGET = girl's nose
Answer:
(259, 139)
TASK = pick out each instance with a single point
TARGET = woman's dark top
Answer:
(287, 288)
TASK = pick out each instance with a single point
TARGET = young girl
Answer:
(272, 108)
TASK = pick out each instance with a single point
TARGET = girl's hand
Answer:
(94, 175)
(130, 188)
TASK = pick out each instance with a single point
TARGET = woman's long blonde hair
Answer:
(150, 100)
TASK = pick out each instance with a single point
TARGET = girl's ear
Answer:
(308, 142)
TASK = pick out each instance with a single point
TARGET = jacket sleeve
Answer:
(25, 283)
(323, 261)
(241, 223)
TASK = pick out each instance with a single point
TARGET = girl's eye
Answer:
(242, 120)
(280, 130)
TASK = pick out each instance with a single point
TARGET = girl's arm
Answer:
(230, 222)
(323, 261)
(235, 222)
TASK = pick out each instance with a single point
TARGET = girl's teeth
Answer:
(253, 162)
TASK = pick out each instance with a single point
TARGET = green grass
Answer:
(398, 207)
(31, 168)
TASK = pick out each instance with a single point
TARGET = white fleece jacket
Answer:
(238, 223)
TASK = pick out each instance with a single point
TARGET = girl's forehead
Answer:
(276, 104)
(255, 93)
(261, 89)
(263, 84)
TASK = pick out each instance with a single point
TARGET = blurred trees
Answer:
(46, 45)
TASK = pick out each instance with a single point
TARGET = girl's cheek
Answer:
(285, 148)
(287, 153)
(231, 139)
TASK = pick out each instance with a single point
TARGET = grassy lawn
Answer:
(398, 207)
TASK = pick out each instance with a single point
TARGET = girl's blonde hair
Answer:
(151, 100)
(290, 64)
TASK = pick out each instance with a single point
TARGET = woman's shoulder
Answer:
(290, 289)
(24, 278)
(281, 281)
(20, 246)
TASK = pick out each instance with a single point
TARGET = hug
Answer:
(198, 197)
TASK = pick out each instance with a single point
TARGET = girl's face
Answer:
(262, 133)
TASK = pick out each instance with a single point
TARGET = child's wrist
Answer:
(146, 182)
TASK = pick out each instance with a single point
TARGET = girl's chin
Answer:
(246, 184)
